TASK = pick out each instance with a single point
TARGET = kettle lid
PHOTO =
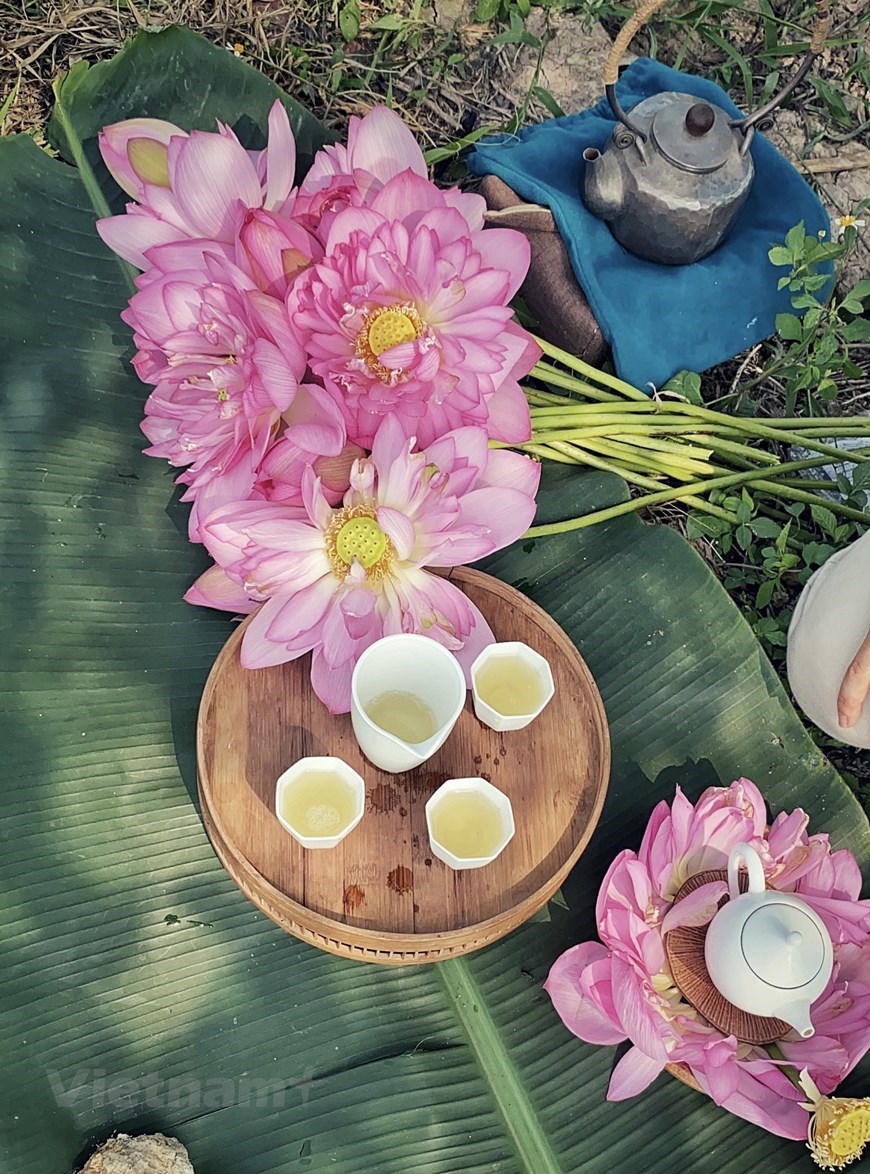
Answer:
(696, 136)
(782, 945)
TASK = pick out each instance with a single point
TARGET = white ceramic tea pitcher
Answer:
(768, 952)
(411, 664)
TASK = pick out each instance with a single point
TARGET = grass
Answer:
(338, 57)
(450, 76)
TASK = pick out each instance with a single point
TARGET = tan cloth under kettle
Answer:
(829, 625)
(551, 291)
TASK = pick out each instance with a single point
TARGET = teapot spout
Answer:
(797, 1015)
(603, 190)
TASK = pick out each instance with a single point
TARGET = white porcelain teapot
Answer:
(767, 952)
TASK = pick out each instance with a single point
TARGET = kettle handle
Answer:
(747, 854)
(760, 118)
(649, 8)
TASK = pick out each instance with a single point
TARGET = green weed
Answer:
(812, 353)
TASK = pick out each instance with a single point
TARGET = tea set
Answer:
(766, 952)
(407, 692)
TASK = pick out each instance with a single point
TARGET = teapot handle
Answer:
(747, 854)
(760, 119)
(757, 119)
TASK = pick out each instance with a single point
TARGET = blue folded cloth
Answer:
(660, 319)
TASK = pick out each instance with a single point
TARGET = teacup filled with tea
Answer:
(319, 801)
(469, 822)
(511, 685)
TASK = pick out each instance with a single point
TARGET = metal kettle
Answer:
(676, 171)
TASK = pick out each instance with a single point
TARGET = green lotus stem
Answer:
(787, 1069)
(743, 451)
(783, 436)
(571, 416)
(612, 420)
(612, 426)
(752, 427)
(557, 378)
(806, 482)
(644, 440)
(534, 394)
(837, 426)
(548, 454)
(829, 425)
(620, 450)
(774, 472)
(682, 470)
(574, 364)
(785, 490)
(607, 427)
(698, 503)
(755, 476)
(620, 462)
(551, 401)
(638, 434)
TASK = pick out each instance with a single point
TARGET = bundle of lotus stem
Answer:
(674, 449)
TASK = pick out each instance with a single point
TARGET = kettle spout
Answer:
(797, 1015)
(603, 189)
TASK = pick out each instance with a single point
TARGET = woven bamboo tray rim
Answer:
(379, 942)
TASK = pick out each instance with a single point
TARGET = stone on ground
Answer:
(149, 1154)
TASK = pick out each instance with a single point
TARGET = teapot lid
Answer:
(782, 945)
(696, 136)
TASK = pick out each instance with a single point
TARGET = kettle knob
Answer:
(699, 119)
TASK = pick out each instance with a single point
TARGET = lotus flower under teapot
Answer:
(768, 952)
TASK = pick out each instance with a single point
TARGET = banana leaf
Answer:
(140, 991)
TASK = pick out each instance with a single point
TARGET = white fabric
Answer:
(829, 625)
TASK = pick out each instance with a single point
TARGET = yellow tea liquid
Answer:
(466, 824)
(403, 715)
(318, 803)
(509, 685)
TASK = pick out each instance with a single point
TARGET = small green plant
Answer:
(768, 552)
(813, 351)
(501, 10)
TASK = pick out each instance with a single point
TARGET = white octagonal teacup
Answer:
(322, 764)
(503, 811)
(533, 662)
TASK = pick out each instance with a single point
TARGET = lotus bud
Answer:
(136, 153)
(150, 161)
(274, 251)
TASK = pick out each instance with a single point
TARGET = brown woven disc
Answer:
(685, 950)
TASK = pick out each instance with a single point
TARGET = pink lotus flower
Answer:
(407, 316)
(334, 581)
(226, 373)
(379, 147)
(623, 989)
(195, 185)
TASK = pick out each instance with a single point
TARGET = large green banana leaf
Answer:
(139, 990)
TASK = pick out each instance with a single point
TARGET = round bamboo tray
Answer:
(381, 895)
